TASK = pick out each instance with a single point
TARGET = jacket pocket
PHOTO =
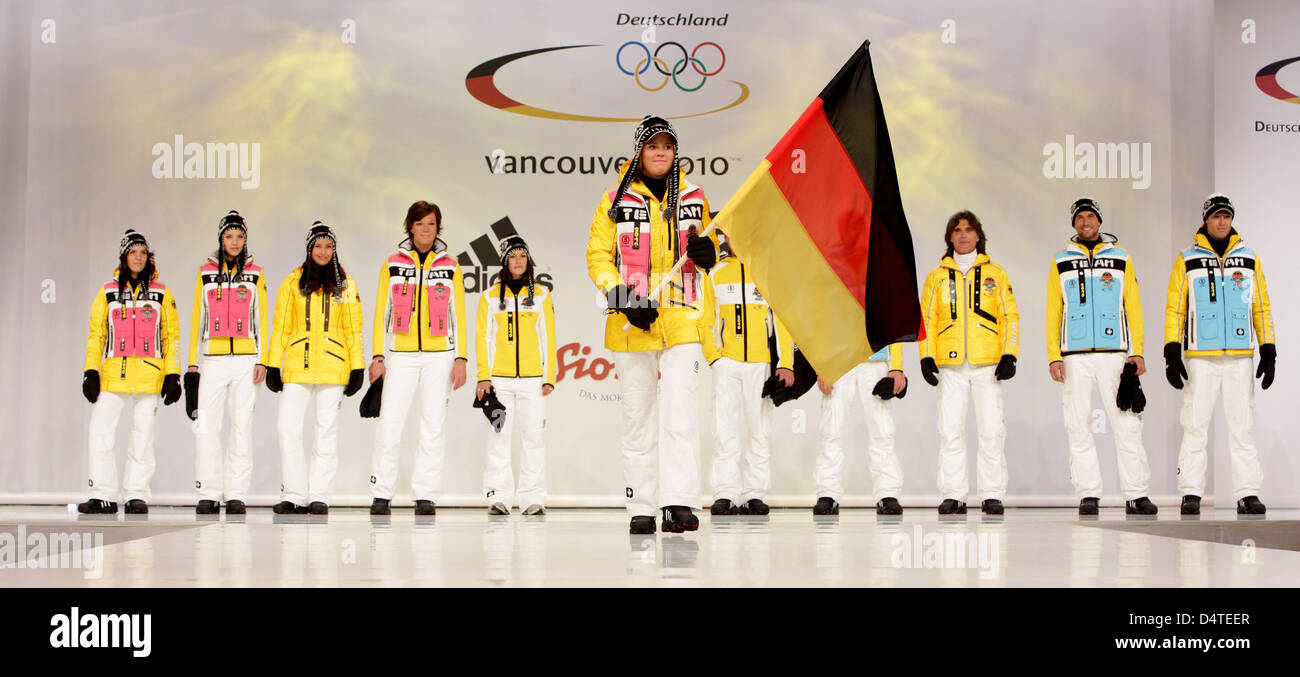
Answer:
(1207, 326)
(1078, 325)
(331, 354)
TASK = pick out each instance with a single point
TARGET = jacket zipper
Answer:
(419, 294)
(515, 328)
(744, 317)
(232, 339)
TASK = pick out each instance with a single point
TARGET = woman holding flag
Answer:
(642, 229)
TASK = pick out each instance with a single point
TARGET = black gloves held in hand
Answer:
(355, 379)
(492, 409)
(171, 390)
(1175, 372)
(192, 395)
(90, 385)
(1006, 368)
(701, 251)
(639, 310)
(930, 371)
(373, 400)
(1267, 364)
(273, 382)
(775, 389)
(1130, 397)
(885, 389)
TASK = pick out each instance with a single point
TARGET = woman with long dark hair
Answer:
(132, 356)
(516, 361)
(315, 352)
(420, 325)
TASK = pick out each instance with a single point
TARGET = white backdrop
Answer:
(358, 109)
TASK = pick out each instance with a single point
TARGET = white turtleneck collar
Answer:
(965, 261)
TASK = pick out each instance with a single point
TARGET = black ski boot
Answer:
(136, 506)
(318, 508)
(889, 506)
(826, 506)
(1140, 506)
(754, 506)
(992, 506)
(723, 506)
(678, 518)
(206, 508)
(952, 506)
(1250, 505)
(1191, 505)
(97, 506)
(642, 524)
(1089, 505)
(236, 507)
(379, 506)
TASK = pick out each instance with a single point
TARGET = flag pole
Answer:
(668, 278)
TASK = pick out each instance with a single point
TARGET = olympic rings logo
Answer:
(670, 73)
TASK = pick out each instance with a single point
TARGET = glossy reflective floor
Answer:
(571, 547)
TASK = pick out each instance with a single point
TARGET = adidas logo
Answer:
(481, 264)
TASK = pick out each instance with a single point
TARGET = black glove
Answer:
(371, 403)
(171, 390)
(776, 390)
(492, 409)
(1006, 367)
(1267, 364)
(1130, 397)
(192, 395)
(273, 382)
(355, 380)
(639, 310)
(884, 388)
(90, 385)
(930, 371)
(1175, 372)
(701, 251)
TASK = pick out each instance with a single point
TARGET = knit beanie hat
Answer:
(1085, 204)
(1215, 203)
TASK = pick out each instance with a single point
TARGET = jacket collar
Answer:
(408, 248)
(1107, 241)
(1203, 240)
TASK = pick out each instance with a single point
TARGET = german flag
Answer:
(821, 225)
